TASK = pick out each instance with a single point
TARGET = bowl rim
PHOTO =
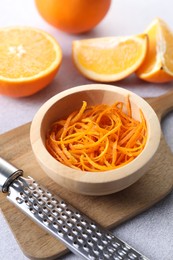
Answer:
(153, 140)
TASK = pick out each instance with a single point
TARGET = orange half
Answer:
(30, 59)
(158, 64)
(111, 58)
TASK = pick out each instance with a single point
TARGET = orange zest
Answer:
(98, 138)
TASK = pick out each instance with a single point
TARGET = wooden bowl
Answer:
(84, 182)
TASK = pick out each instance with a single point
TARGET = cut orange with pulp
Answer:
(111, 58)
(158, 64)
(30, 59)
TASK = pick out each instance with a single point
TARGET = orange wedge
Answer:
(30, 59)
(111, 58)
(158, 64)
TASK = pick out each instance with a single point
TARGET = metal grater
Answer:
(83, 236)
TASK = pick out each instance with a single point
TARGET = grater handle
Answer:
(8, 173)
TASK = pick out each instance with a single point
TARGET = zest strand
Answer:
(98, 138)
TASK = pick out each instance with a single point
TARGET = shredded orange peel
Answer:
(98, 138)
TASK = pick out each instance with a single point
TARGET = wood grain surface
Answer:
(109, 211)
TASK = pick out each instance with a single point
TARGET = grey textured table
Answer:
(150, 232)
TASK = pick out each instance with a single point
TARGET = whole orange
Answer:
(73, 16)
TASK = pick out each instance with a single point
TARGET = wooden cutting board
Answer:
(109, 210)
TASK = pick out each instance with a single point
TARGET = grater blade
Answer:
(79, 233)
